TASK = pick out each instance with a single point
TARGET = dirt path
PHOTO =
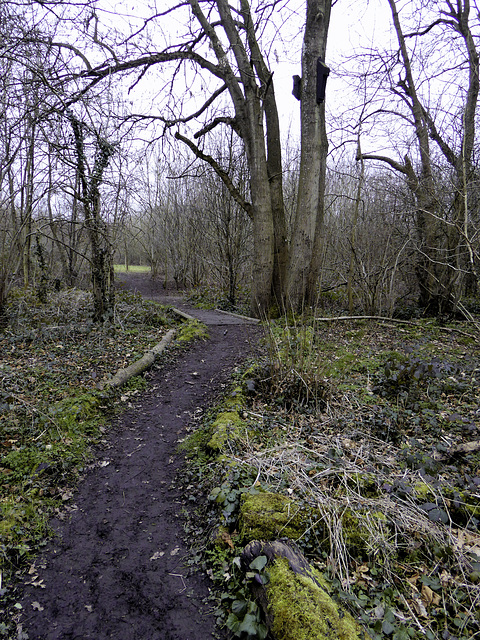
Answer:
(116, 568)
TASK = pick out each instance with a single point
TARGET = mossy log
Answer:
(123, 375)
(269, 516)
(295, 597)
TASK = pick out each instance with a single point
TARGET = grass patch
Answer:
(133, 268)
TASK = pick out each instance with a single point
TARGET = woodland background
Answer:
(141, 135)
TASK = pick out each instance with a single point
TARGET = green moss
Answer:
(422, 490)
(355, 534)
(235, 399)
(365, 484)
(302, 610)
(227, 426)
(192, 330)
(266, 516)
(22, 526)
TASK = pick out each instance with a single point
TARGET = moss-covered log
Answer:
(295, 597)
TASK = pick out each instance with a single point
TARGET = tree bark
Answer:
(306, 237)
(101, 249)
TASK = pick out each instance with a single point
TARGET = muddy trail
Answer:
(117, 565)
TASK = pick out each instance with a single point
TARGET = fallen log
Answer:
(295, 597)
(123, 375)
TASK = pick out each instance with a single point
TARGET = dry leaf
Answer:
(445, 578)
(419, 606)
(157, 555)
(413, 580)
(37, 606)
(429, 597)
(37, 583)
(225, 537)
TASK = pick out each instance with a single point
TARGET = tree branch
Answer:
(220, 120)
(234, 192)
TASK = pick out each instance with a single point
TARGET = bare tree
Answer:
(89, 182)
(226, 46)
(442, 223)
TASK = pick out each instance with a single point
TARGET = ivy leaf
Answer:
(233, 623)
(258, 563)
(239, 607)
(249, 625)
(387, 627)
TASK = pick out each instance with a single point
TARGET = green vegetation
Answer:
(361, 443)
(53, 360)
(133, 268)
(192, 330)
(228, 426)
(303, 610)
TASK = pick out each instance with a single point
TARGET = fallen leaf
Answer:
(413, 580)
(429, 597)
(37, 606)
(37, 583)
(419, 606)
(226, 538)
(174, 552)
(157, 555)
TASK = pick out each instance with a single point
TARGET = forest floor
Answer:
(117, 564)
(368, 429)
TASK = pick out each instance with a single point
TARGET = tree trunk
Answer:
(306, 236)
(263, 227)
(102, 274)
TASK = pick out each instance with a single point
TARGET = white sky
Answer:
(353, 23)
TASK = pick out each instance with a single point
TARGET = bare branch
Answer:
(235, 193)
(217, 121)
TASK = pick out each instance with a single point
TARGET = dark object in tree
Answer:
(322, 74)
(297, 87)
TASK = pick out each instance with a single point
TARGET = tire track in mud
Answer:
(116, 567)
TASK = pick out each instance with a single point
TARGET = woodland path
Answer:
(116, 566)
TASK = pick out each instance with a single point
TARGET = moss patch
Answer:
(227, 426)
(192, 330)
(266, 516)
(235, 399)
(302, 610)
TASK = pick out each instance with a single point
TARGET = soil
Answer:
(117, 565)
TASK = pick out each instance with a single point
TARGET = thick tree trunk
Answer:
(311, 293)
(263, 227)
(309, 213)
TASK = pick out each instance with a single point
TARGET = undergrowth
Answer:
(373, 431)
(53, 360)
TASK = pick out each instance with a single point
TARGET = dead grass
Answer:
(370, 445)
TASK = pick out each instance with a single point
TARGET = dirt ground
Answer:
(116, 567)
